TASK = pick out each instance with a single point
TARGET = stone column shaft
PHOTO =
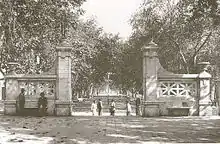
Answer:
(150, 70)
(63, 84)
(150, 80)
(205, 108)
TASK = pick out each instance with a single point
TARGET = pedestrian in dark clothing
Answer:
(112, 108)
(42, 104)
(20, 102)
(99, 107)
(138, 103)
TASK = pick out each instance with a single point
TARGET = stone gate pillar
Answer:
(151, 66)
(205, 108)
(63, 82)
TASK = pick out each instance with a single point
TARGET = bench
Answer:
(31, 108)
(178, 111)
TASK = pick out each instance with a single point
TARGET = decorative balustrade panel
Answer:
(34, 88)
(178, 88)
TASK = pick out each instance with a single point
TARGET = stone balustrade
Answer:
(56, 84)
(165, 91)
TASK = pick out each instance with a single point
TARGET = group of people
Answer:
(42, 103)
(99, 107)
(95, 107)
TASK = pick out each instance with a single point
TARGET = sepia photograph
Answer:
(109, 71)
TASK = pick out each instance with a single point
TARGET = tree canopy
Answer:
(30, 25)
(186, 32)
(31, 29)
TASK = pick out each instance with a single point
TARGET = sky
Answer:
(112, 15)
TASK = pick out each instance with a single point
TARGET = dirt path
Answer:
(88, 129)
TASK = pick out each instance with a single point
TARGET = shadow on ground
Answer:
(107, 129)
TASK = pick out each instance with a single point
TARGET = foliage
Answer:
(33, 28)
(206, 9)
(94, 54)
(84, 40)
(128, 68)
(28, 26)
(181, 41)
(184, 41)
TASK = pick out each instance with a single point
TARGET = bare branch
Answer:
(181, 53)
(204, 42)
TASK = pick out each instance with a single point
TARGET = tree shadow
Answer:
(88, 129)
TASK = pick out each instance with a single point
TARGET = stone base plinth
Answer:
(205, 110)
(63, 108)
(32, 104)
(178, 111)
(10, 107)
(151, 109)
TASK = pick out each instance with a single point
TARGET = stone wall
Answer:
(33, 85)
(56, 84)
(165, 91)
(178, 91)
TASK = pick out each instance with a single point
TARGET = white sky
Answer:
(112, 15)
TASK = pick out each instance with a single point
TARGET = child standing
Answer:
(112, 108)
(128, 107)
(93, 108)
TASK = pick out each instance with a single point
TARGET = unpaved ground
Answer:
(106, 129)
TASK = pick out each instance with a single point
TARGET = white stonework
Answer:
(56, 86)
(63, 83)
(180, 93)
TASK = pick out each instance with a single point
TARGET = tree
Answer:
(93, 55)
(84, 40)
(181, 41)
(28, 26)
(206, 9)
(33, 28)
(128, 68)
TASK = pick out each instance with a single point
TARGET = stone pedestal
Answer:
(151, 109)
(181, 111)
(214, 111)
(63, 83)
(205, 110)
(205, 102)
(12, 92)
(151, 66)
(10, 107)
(63, 108)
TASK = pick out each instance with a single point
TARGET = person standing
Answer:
(99, 107)
(20, 102)
(128, 108)
(42, 104)
(112, 108)
(93, 108)
(138, 104)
